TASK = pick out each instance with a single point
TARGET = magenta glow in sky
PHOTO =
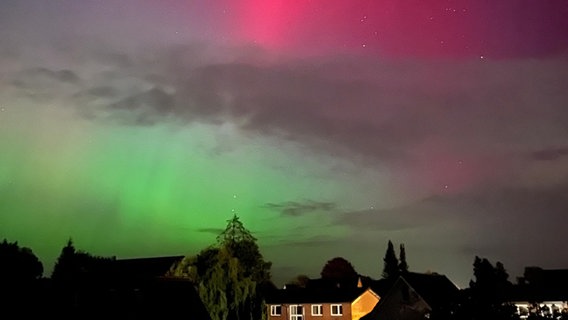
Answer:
(139, 127)
(408, 28)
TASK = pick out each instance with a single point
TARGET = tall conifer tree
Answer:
(402, 266)
(390, 269)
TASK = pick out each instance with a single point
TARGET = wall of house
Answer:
(282, 316)
(326, 312)
(543, 309)
(363, 304)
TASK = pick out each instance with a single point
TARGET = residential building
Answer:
(320, 303)
(541, 292)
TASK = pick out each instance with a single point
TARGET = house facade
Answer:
(307, 304)
(541, 293)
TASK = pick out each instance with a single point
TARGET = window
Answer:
(317, 310)
(336, 310)
(296, 312)
(275, 310)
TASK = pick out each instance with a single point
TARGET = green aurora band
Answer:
(126, 191)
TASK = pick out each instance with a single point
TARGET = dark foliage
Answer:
(486, 297)
(75, 268)
(232, 277)
(338, 269)
(403, 265)
(18, 264)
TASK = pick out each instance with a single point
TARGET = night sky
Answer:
(138, 128)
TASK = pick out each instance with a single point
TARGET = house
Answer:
(414, 296)
(322, 303)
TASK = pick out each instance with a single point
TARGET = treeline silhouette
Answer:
(85, 286)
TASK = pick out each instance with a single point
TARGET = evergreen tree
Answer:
(66, 265)
(403, 265)
(234, 233)
(390, 269)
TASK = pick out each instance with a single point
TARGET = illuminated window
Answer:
(275, 310)
(296, 312)
(317, 310)
(336, 310)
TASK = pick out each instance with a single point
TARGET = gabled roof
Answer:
(401, 302)
(416, 292)
(314, 295)
(433, 288)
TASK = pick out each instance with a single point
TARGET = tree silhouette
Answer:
(230, 276)
(18, 264)
(339, 270)
(66, 264)
(403, 265)
(235, 232)
(390, 269)
(486, 296)
(75, 267)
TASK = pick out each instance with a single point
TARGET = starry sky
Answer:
(138, 128)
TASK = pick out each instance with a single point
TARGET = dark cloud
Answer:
(550, 154)
(296, 209)
(374, 109)
(67, 76)
(215, 231)
(102, 92)
(310, 242)
(155, 99)
(42, 84)
(417, 116)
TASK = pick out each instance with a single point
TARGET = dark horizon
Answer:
(277, 280)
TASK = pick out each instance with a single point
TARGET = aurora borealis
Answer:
(139, 127)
